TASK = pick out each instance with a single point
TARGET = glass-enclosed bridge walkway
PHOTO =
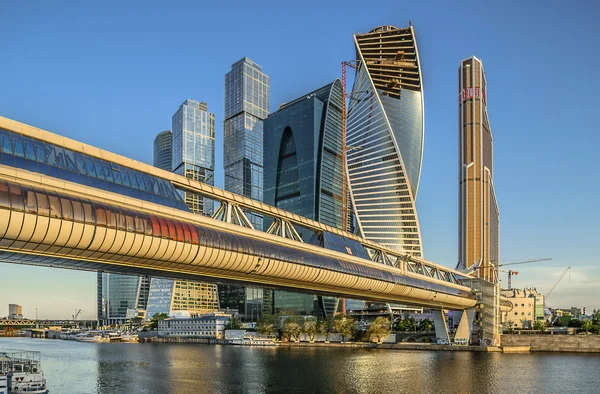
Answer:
(70, 205)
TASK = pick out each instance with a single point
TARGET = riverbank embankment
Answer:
(554, 343)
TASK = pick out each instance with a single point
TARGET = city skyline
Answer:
(526, 230)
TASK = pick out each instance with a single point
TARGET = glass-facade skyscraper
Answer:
(479, 217)
(188, 147)
(194, 150)
(303, 175)
(177, 297)
(163, 151)
(119, 296)
(385, 130)
(246, 106)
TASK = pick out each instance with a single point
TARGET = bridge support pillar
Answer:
(441, 327)
(465, 327)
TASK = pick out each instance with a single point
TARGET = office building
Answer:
(194, 150)
(385, 129)
(479, 218)
(163, 151)
(181, 298)
(15, 311)
(120, 296)
(528, 306)
(193, 124)
(210, 325)
(246, 106)
(303, 174)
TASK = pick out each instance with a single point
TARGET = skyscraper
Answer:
(303, 175)
(177, 297)
(163, 151)
(119, 296)
(385, 130)
(194, 150)
(479, 218)
(246, 106)
(190, 151)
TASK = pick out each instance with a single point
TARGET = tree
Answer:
(267, 324)
(575, 323)
(156, 318)
(379, 329)
(291, 328)
(406, 324)
(596, 315)
(586, 325)
(343, 326)
(234, 324)
(310, 328)
(539, 325)
(324, 328)
(426, 325)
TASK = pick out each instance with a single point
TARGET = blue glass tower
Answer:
(246, 106)
(163, 151)
(194, 150)
(385, 132)
(303, 175)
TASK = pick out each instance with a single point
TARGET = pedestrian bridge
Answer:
(66, 204)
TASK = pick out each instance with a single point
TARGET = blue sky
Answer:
(111, 74)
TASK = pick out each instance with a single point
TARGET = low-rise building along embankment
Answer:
(555, 343)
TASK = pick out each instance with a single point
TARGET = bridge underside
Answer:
(56, 223)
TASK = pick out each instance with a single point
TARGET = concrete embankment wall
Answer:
(554, 343)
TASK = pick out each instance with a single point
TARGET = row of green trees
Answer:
(408, 323)
(293, 326)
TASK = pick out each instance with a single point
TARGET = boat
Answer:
(249, 340)
(21, 373)
(91, 336)
(113, 336)
(130, 338)
(69, 335)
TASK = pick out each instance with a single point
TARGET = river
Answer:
(103, 368)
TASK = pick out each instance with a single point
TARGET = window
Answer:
(155, 226)
(130, 220)
(111, 218)
(16, 197)
(89, 212)
(54, 204)
(121, 220)
(4, 195)
(66, 209)
(100, 216)
(43, 206)
(78, 214)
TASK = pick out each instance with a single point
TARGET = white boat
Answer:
(248, 340)
(20, 370)
(91, 337)
(69, 335)
(133, 338)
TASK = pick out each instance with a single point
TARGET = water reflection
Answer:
(72, 367)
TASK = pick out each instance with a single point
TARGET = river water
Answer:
(103, 368)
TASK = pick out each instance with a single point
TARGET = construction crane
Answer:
(514, 262)
(76, 315)
(559, 279)
(510, 275)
